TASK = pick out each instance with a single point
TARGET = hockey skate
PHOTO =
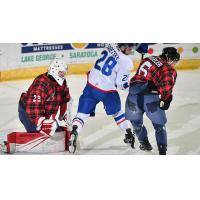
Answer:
(129, 138)
(72, 141)
(4, 147)
(1, 148)
(162, 149)
(145, 145)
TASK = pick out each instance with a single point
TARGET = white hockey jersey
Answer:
(111, 70)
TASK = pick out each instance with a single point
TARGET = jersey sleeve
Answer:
(167, 83)
(123, 74)
(65, 96)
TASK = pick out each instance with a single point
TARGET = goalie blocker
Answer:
(37, 142)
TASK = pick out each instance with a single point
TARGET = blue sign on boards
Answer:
(43, 47)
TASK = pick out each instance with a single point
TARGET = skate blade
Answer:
(72, 144)
(131, 144)
(147, 150)
(3, 148)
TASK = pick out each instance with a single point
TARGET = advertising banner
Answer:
(80, 57)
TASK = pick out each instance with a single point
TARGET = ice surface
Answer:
(100, 134)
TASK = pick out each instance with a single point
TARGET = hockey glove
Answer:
(67, 116)
(142, 48)
(47, 126)
(92, 114)
(165, 104)
(68, 120)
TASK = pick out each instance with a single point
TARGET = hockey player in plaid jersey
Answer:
(38, 108)
(47, 94)
(151, 93)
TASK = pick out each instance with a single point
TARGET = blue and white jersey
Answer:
(111, 70)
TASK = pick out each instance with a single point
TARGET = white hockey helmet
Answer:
(56, 68)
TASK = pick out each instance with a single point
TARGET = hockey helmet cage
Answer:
(55, 67)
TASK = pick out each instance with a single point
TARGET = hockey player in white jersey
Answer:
(110, 72)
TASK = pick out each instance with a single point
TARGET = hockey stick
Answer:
(142, 56)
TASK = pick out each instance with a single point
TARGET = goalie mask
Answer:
(57, 70)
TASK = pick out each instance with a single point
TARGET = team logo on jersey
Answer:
(79, 45)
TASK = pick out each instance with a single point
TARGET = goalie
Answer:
(47, 96)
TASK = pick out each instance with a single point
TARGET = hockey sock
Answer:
(79, 121)
(121, 121)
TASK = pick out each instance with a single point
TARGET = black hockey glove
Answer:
(165, 104)
(92, 114)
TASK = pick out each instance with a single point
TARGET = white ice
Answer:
(101, 136)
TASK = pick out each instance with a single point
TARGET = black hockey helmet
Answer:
(126, 45)
(171, 53)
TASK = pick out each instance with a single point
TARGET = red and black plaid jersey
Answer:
(44, 97)
(161, 74)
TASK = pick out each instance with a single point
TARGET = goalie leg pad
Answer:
(37, 142)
